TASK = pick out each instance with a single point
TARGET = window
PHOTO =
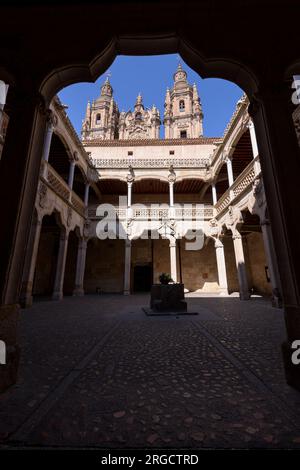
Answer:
(183, 135)
(172, 152)
(98, 118)
(181, 105)
(130, 153)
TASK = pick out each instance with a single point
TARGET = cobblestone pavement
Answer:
(96, 371)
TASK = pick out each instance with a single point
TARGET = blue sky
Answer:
(151, 76)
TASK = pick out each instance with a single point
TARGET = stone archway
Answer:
(269, 96)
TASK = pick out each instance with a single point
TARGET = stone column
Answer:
(214, 193)
(173, 261)
(47, 145)
(171, 193)
(272, 265)
(229, 171)
(129, 193)
(27, 285)
(171, 179)
(280, 161)
(254, 147)
(130, 180)
(71, 174)
(86, 194)
(127, 267)
(240, 265)
(253, 139)
(60, 266)
(80, 267)
(221, 265)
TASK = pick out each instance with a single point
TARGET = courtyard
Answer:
(97, 372)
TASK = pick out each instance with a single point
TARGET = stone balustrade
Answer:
(61, 188)
(102, 163)
(242, 184)
(198, 212)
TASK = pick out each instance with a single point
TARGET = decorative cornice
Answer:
(150, 142)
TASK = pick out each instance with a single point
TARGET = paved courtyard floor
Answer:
(97, 372)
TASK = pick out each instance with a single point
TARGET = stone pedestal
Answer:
(168, 298)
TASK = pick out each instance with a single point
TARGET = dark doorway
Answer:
(142, 278)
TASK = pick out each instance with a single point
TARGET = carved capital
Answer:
(171, 175)
(42, 195)
(218, 243)
(234, 220)
(86, 228)
(130, 175)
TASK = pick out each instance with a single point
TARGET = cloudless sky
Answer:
(150, 76)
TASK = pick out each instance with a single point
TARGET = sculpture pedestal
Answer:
(168, 298)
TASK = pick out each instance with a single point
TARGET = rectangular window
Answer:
(172, 152)
(183, 135)
(130, 153)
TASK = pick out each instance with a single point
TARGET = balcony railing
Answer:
(199, 212)
(61, 188)
(103, 163)
(242, 184)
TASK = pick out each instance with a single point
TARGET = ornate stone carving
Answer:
(234, 220)
(130, 175)
(42, 194)
(199, 163)
(171, 175)
(86, 228)
(214, 229)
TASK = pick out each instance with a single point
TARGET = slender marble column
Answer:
(71, 174)
(60, 266)
(214, 194)
(171, 193)
(240, 266)
(47, 141)
(86, 194)
(229, 171)
(173, 261)
(80, 267)
(127, 267)
(129, 193)
(221, 265)
(253, 139)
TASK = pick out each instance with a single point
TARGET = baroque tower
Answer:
(183, 117)
(101, 118)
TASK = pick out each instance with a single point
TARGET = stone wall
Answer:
(232, 278)
(104, 266)
(255, 263)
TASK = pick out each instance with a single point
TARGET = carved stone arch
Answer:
(59, 219)
(68, 147)
(161, 178)
(82, 171)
